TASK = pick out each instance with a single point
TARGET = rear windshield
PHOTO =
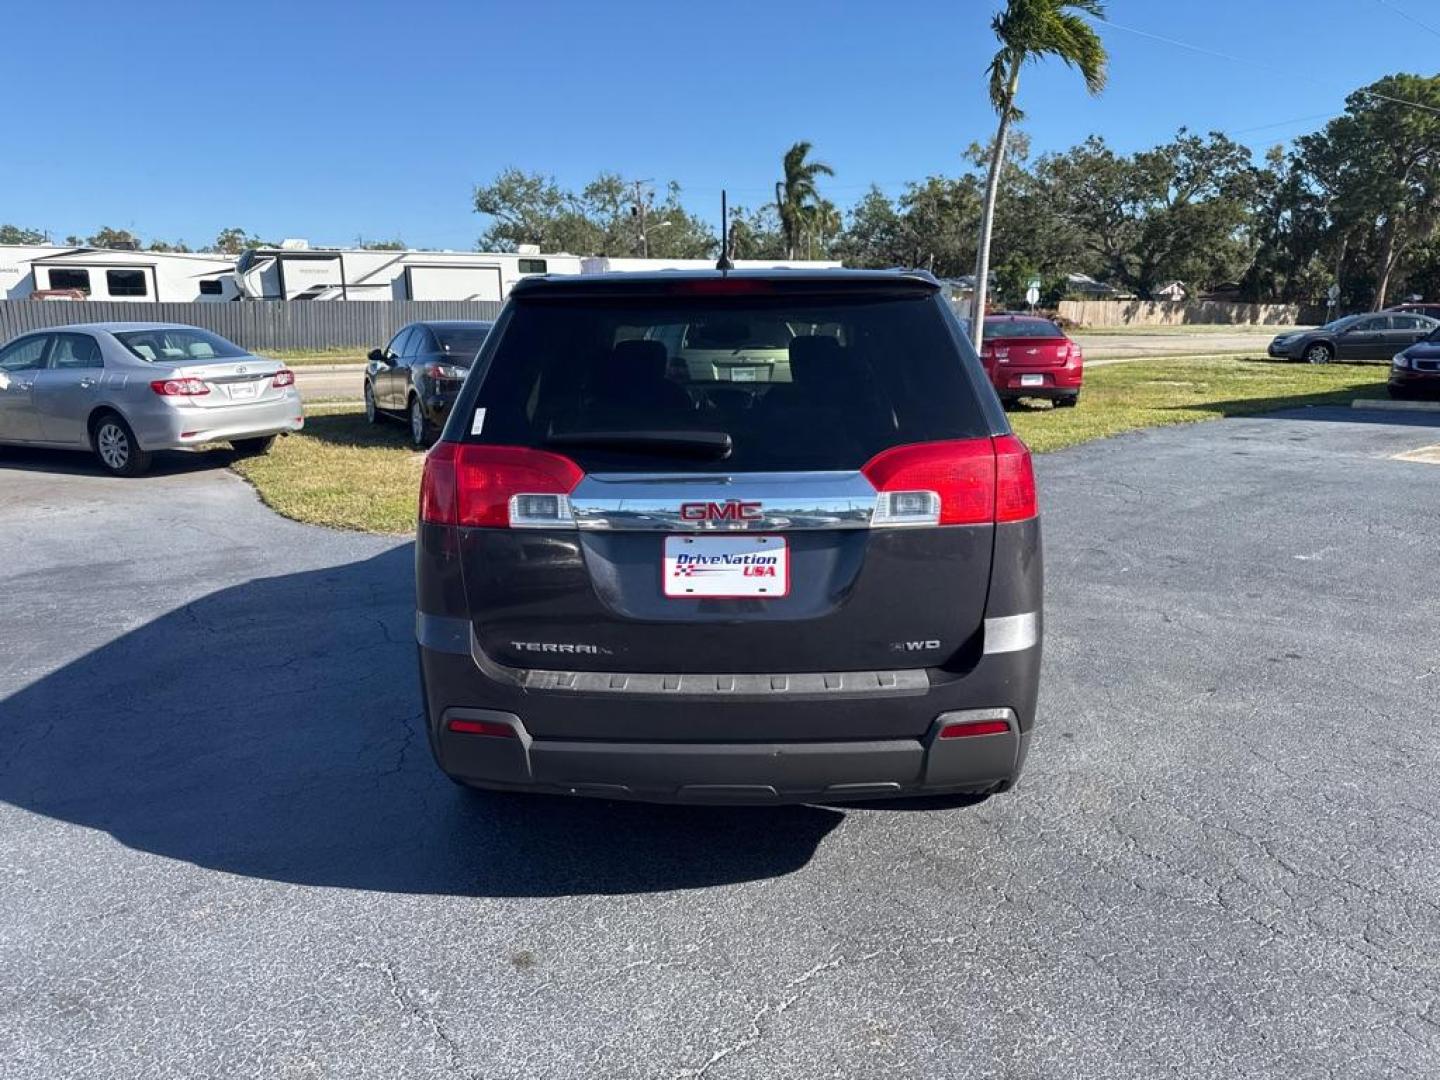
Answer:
(178, 346)
(796, 382)
(1023, 328)
(462, 343)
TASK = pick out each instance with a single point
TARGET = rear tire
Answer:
(253, 447)
(371, 413)
(422, 434)
(1319, 353)
(115, 446)
(1067, 402)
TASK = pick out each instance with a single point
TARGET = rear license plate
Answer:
(1032, 380)
(242, 390)
(744, 374)
(726, 566)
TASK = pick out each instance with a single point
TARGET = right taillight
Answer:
(1014, 480)
(955, 482)
(497, 487)
(934, 483)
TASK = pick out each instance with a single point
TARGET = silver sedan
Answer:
(126, 390)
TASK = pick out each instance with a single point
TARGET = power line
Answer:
(1248, 63)
(1406, 15)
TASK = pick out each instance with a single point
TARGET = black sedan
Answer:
(1415, 372)
(418, 375)
(1378, 336)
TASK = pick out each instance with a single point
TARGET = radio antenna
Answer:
(724, 265)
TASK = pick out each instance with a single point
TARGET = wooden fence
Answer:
(1099, 313)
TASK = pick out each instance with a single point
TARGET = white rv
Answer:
(295, 271)
(101, 274)
(601, 264)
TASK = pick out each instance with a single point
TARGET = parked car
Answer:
(419, 373)
(1415, 371)
(1431, 311)
(811, 571)
(1027, 356)
(125, 390)
(1377, 336)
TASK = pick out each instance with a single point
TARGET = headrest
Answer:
(814, 359)
(644, 361)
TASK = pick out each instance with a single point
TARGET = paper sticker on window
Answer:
(477, 425)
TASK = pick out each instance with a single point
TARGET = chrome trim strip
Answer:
(1012, 633)
(443, 633)
(651, 502)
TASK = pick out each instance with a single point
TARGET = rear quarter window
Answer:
(798, 382)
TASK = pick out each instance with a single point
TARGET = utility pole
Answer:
(638, 210)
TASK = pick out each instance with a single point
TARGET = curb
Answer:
(1389, 405)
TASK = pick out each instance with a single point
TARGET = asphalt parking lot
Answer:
(224, 850)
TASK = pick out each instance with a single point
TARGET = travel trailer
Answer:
(296, 271)
(102, 274)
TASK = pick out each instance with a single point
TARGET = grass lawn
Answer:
(1193, 330)
(306, 357)
(347, 474)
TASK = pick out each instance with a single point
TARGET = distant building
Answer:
(296, 271)
(104, 274)
(1171, 290)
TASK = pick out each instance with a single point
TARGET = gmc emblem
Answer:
(730, 510)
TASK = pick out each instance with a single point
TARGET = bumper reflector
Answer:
(974, 727)
(483, 727)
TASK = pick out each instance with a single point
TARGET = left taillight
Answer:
(283, 377)
(179, 387)
(497, 487)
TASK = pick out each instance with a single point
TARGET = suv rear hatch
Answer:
(729, 476)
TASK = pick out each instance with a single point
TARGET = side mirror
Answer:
(376, 356)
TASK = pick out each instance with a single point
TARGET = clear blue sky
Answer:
(329, 120)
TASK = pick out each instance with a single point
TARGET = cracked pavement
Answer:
(224, 850)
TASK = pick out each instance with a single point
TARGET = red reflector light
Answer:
(1014, 480)
(493, 728)
(974, 727)
(179, 387)
(283, 377)
(960, 471)
(467, 484)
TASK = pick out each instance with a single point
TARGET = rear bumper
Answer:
(1405, 381)
(168, 427)
(1055, 382)
(761, 739)
(761, 773)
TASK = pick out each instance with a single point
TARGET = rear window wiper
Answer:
(707, 444)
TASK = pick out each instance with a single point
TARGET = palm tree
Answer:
(1030, 30)
(796, 195)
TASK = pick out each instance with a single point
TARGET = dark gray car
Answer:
(748, 538)
(418, 375)
(1355, 337)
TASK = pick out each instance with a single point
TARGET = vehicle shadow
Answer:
(350, 429)
(83, 463)
(261, 733)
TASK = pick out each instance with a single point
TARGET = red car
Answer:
(1027, 356)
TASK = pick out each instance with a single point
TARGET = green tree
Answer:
(1378, 168)
(1030, 30)
(235, 241)
(107, 237)
(178, 246)
(871, 238)
(531, 208)
(382, 245)
(14, 234)
(796, 193)
(755, 234)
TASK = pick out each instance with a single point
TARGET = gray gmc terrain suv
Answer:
(744, 537)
